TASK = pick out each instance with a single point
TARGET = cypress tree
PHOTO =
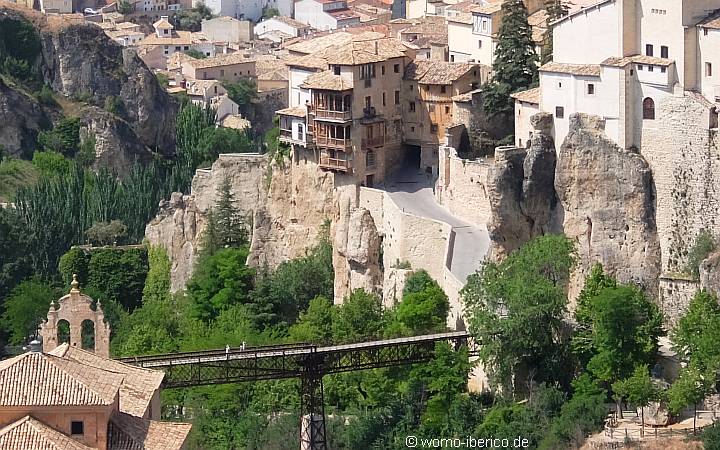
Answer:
(231, 230)
(555, 10)
(515, 66)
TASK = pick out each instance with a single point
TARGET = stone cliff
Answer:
(79, 62)
(287, 207)
(608, 205)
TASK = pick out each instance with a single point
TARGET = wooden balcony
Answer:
(328, 163)
(287, 138)
(334, 143)
(327, 114)
(373, 142)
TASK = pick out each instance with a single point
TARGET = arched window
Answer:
(63, 332)
(87, 334)
(648, 109)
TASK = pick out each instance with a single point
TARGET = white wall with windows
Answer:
(709, 61)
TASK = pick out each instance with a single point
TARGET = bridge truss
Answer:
(307, 362)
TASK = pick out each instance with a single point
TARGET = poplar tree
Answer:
(515, 67)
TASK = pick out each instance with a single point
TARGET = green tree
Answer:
(241, 92)
(215, 141)
(639, 390)
(314, 324)
(51, 164)
(15, 262)
(74, 262)
(697, 333)
(220, 280)
(358, 318)
(418, 281)
(269, 12)
(515, 64)
(702, 247)
(555, 9)
(107, 233)
(288, 290)
(64, 138)
(424, 311)
(195, 54)
(516, 310)
(25, 309)
(124, 7)
(157, 282)
(690, 388)
(582, 338)
(191, 19)
(118, 274)
(231, 225)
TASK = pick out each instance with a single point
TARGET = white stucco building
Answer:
(619, 59)
(248, 9)
(282, 24)
(326, 15)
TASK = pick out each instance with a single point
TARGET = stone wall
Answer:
(462, 186)
(682, 151)
(674, 293)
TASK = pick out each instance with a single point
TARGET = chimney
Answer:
(35, 346)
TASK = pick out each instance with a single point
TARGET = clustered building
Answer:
(66, 393)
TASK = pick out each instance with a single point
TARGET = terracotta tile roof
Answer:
(343, 14)
(615, 61)
(464, 6)
(427, 41)
(315, 44)
(427, 27)
(308, 62)
(466, 97)
(464, 18)
(126, 432)
(437, 72)
(178, 38)
(290, 21)
(40, 379)
(138, 385)
(163, 24)
(114, 34)
(528, 96)
(200, 87)
(271, 69)
(711, 21)
(490, 8)
(176, 60)
(126, 25)
(365, 51)
(296, 111)
(30, 434)
(221, 60)
(327, 80)
(592, 70)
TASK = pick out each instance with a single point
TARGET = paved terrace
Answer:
(412, 191)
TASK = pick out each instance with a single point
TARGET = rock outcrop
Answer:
(116, 145)
(608, 202)
(287, 208)
(81, 62)
(520, 190)
(20, 119)
(710, 273)
(356, 250)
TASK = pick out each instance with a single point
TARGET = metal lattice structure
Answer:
(307, 362)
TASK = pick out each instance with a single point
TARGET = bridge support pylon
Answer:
(312, 419)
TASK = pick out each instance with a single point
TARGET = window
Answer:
(663, 69)
(651, 68)
(301, 132)
(591, 89)
(396, 68)
(368, 101)
(708, 69)
(433, 128)
(412, 106)
(383, 99)
(447, 110)
(336, 70)
(663, 51)
(443, 89)
(452, 58)
(382, 69)
(370, 158)
(410, 87)
(427, 55)
(187, 48)
(412, 129)
(648, 49)
(705, 31)
(367, 71)
(640, 67)
(397, 97)
(205, 74)
(77, 427)
(648, 109)
(431, 108)
(559, 112)
(222, 72)
(479, 44)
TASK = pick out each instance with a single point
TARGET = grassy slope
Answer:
(14, 174)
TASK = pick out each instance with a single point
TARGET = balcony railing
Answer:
(329, 163)
(336, 143)
(377, 141)
(328, 114)
(285, 133)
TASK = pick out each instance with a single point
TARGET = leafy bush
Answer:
(63, 138)
(46, 96)
(51, 164)
(113, 104)
(702, 247)
(107, 233)
(25, 308)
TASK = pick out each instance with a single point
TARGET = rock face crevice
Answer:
(21, 116)
(608, 203)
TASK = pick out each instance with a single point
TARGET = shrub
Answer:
(704, 244)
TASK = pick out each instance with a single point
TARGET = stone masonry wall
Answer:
(682, 152)
(462, 188)
(675, 292)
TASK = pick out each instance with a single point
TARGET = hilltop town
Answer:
(343, 224)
